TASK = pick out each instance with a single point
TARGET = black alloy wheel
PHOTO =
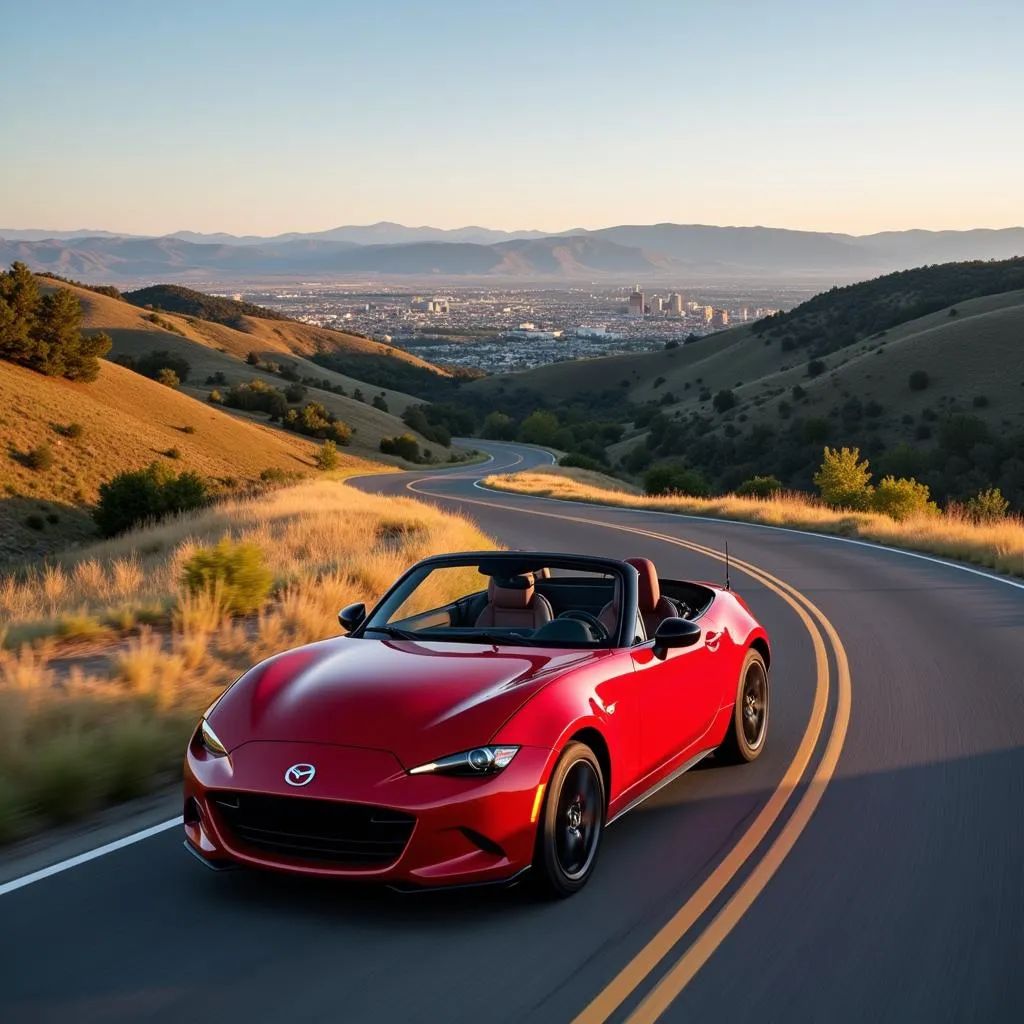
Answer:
(569, 833)
(748, 729)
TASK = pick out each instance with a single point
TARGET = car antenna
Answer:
(728, 585)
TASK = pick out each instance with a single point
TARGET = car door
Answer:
(678, 696)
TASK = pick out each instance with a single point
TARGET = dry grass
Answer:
(211, 348)
(70, 741)
(128, 421)
(998, 546)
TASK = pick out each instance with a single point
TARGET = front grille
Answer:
(347, 835)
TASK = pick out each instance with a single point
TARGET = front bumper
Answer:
(466, 830)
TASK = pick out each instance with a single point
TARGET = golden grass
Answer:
(998, 546)
(127, 422)
(70, 742)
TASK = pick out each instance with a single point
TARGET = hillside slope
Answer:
(127, 421)
(214, 348)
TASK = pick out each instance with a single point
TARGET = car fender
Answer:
(600, 697)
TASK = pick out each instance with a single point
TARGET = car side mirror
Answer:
(352, 616)
(675, 632)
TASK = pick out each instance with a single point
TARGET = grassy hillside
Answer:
(938, 396)
(126, 422)
(213, 348)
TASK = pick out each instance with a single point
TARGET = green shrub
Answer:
(759, 487)
(173, 453)
(140, 495)
(980, 401)
(724, 400)
(294, 393)
(253, 358)
(539, 427)
(815, 367)
(237, 572)
(39, 458)
(987, 506)
(215, 397)
(669, 479)
(327, 456)
(843, 480)
(498, 426)
(168, 378)
(380, 402)
(34, 521)
(901, 498)
(919, 380)
(340, 433)
(71, 430)
(405, 446)
(153, 364)
(187, 429)
(580, 461)
(52, 518)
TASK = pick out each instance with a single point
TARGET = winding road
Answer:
(869, 867)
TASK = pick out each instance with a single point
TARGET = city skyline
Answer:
(254, 118)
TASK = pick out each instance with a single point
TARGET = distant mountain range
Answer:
(648, 252)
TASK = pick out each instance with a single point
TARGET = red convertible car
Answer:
(490, 716)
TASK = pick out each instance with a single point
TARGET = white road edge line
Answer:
(83, 858)
(766, 526)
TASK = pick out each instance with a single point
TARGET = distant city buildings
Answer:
(636, 303)
(596, 333)
(499, 328)
(530, 332)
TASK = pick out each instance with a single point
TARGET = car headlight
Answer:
(478, 761)
(210, 740)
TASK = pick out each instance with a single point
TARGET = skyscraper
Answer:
(675, 304)
(636, 302)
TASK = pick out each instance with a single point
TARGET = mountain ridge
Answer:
(647, 252)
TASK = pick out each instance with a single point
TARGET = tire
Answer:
(571, 825)
(747, 733)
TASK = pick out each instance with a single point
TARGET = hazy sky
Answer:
(264, 116)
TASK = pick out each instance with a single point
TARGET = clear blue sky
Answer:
(264, 116)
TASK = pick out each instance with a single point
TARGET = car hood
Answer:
(415, 699)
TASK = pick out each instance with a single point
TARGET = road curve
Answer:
(900, 899)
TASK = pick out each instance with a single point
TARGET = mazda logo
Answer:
(300, 774)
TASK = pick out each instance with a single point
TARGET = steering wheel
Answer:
(591, 620)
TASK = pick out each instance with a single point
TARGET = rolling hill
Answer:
(765, 398)
(126, 421)
(212, 348)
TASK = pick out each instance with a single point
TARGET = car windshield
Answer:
(504, 600)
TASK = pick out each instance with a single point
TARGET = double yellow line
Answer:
(700, 949)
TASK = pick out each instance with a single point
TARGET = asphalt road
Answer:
(902, 898)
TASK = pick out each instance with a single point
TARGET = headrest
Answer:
(648, 590)
(511, 592)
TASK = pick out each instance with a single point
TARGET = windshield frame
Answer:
(514, 563)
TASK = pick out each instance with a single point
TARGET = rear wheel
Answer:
(569, 835)
(748, 729)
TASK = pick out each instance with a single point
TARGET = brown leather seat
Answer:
(652, 606)
(515, 602)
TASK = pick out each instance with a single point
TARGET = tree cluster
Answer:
(43, 332)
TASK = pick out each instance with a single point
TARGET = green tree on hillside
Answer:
(843, 480)
(902, 499)
(539, 427)
(43, 332)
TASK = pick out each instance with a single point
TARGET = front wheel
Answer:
(749, 726)
(569, 834)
